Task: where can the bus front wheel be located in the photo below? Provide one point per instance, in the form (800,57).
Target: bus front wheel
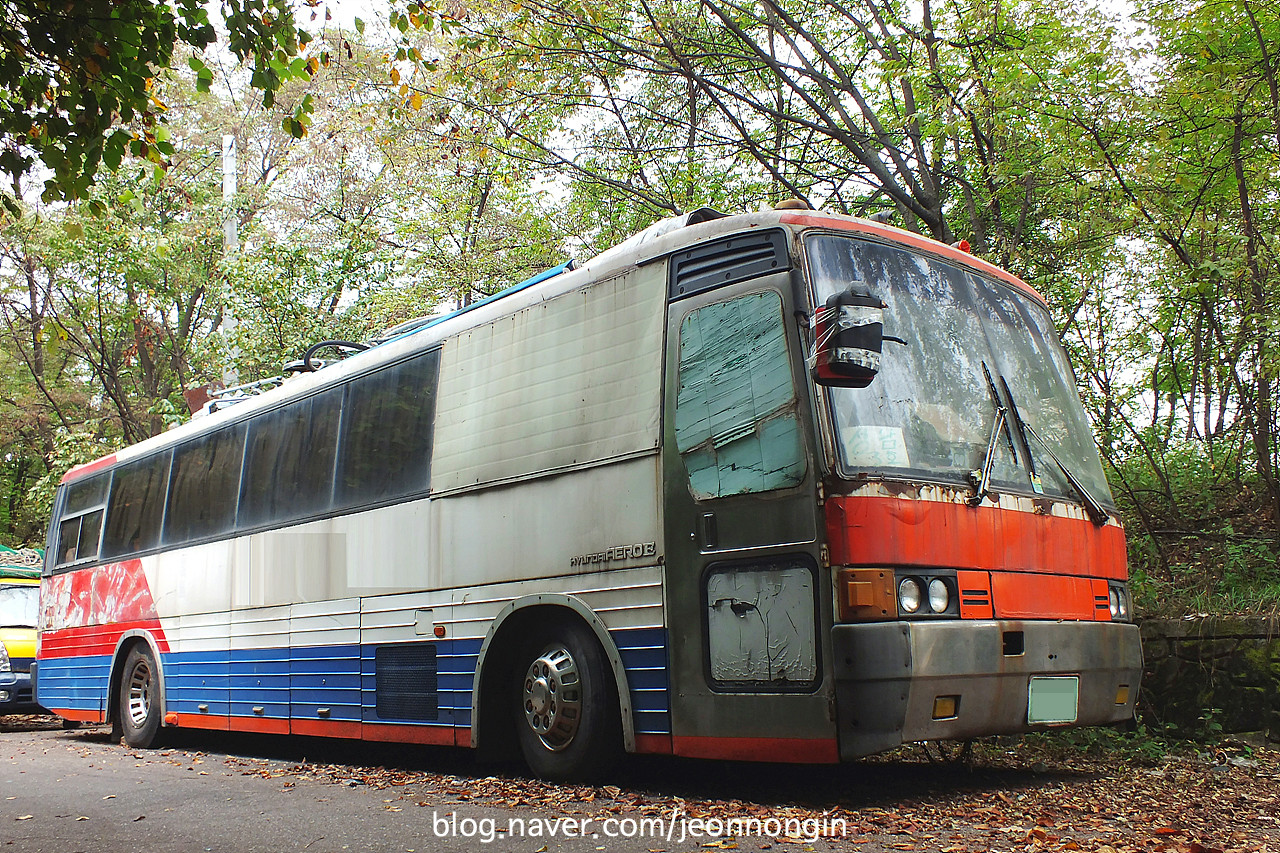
(139,701)
(567,713)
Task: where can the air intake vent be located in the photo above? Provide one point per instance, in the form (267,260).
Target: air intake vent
(726,261)
(406,682)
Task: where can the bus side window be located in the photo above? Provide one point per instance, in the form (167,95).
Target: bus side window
(288,472)
(387,427)
(136,505)
(81,522)
(204,486)
(736,421)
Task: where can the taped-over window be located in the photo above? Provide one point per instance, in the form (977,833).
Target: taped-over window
(736,424)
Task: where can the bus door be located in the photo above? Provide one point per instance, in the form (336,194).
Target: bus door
(745,596)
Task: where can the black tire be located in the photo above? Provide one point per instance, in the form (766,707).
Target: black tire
(566,705)
(138,709)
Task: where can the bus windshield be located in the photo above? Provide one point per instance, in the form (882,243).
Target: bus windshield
(19,605)
(970,345)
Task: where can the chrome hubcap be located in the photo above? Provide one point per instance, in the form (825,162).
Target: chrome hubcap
(139,694)
(552,698)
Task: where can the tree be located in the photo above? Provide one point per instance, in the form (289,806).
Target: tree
(77,79)
(1192,154)
(936,111)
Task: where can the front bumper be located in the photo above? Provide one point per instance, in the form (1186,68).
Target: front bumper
(889,674)
(16,695)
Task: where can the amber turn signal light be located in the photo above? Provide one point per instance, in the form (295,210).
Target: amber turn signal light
(865,595)
(946,707)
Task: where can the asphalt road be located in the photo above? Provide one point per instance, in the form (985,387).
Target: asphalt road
(78,791)
(68,791)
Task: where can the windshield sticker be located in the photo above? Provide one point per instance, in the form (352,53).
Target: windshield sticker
(875,445)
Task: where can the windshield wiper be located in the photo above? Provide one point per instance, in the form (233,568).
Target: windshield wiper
(982,479)
(1036,485)
(1097,513)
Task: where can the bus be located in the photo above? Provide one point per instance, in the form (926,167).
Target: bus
(784,486)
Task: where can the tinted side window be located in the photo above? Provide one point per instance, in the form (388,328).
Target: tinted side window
(386,432)
(205,486)
(289,462)
(136,506)
(81,523)
(86,494)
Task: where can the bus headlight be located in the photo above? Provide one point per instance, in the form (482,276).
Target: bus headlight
(909,594)
(1121,609)
(939,595)
(1120,603)
(4,659)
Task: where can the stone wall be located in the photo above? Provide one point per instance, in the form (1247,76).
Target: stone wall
(1204,672)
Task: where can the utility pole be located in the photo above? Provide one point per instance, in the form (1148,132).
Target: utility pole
(230,245)
(230,236)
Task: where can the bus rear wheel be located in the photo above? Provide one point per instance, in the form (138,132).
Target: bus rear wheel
(139,699)
(567,714)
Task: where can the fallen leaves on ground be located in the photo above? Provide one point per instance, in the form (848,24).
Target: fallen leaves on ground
(1009,799)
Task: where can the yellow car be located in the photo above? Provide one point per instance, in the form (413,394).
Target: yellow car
(19,608)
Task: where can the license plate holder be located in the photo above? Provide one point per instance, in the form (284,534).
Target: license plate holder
(1053,699)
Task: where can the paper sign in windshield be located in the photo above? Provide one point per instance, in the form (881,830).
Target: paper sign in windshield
(882,446)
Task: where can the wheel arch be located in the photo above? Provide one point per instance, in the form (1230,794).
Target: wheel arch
(128,640)
(520,612)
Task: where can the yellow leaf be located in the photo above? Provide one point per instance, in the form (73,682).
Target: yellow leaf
(404,89)
(395,75)
(416,101)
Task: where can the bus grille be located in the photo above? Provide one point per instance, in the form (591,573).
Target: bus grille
(722,262)
(406,682)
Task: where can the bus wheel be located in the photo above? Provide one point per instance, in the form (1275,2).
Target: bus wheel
(139,707)
(568,716)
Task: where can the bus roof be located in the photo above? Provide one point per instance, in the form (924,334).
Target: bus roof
(658,240)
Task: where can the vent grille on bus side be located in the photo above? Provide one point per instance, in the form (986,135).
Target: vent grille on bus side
(406,682)
(726,261)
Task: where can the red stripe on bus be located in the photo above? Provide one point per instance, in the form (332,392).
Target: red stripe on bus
(95,639)
(883,531)
(88,468)
(915,241)
(80,715)
(261,725)
(217,722)
(778,750)
(1028,596)
(327,728)
(653,744)
(428,735)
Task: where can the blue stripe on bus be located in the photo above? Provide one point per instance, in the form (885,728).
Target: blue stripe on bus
(299,682)
(78,683)
(644,657)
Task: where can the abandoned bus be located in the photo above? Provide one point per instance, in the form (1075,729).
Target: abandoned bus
(787,486)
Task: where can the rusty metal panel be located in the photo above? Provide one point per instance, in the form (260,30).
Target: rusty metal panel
(761,625)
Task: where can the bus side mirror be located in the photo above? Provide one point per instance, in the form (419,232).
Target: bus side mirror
(849,332)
